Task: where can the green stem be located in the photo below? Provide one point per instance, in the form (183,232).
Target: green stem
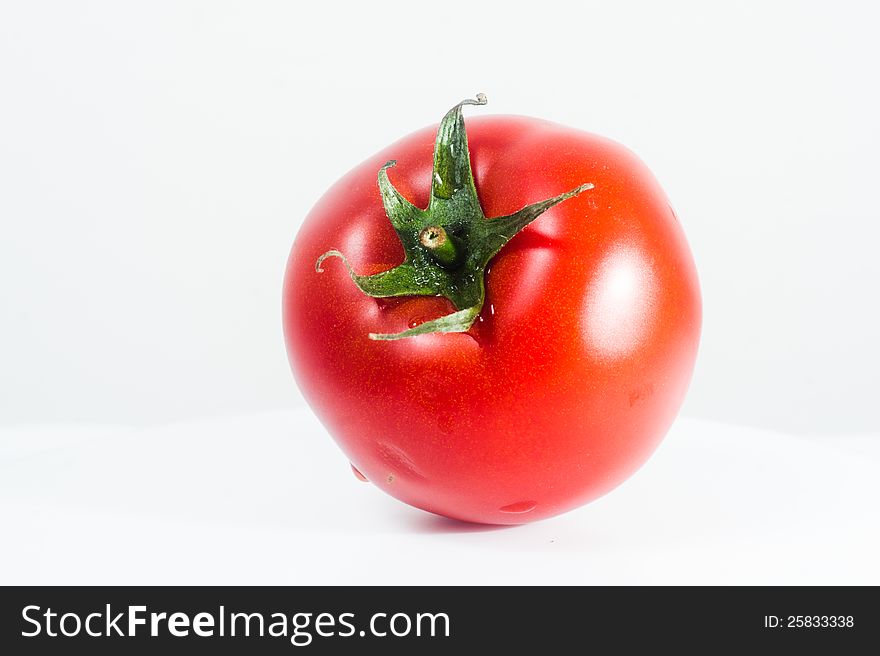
(440,245)
(438,263)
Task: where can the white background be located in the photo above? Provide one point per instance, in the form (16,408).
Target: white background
(156,160)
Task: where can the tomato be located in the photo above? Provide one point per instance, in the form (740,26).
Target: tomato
(557,357)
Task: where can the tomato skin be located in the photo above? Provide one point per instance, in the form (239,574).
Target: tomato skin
(576,367)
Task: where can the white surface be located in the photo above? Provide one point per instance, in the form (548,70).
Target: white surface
(156,159)
(268,499)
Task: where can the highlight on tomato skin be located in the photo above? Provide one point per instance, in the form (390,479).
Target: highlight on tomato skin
(496,320)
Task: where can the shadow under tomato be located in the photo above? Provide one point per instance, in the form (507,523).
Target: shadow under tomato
(424,522)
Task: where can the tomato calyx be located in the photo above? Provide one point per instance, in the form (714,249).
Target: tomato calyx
(448,245)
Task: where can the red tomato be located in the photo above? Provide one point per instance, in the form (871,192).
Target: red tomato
(575,367)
